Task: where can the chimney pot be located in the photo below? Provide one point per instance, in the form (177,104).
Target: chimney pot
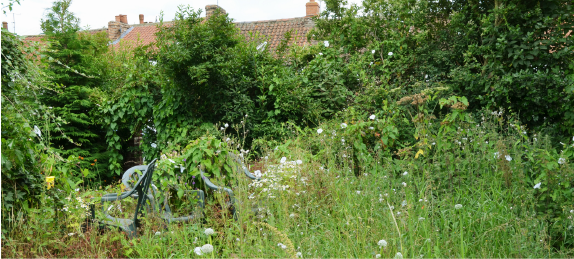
(5,25)
(141,18)
(123,18)
(117,18)
(312,8)
(210,10)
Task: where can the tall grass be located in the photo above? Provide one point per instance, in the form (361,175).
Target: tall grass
(472,199)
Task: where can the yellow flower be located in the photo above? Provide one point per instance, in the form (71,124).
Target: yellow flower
(50,181)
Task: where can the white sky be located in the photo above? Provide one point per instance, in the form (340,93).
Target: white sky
(97,14)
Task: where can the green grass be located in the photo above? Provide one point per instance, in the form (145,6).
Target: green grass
(333,213)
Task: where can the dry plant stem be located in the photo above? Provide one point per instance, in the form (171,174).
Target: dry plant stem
(283,237)
(396,225)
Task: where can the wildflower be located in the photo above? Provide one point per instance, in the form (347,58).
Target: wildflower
(404,184)
(404,203)
(405,173)
(81,158)
(197,251)
(283,159)
(226,125)
(508,158)
(77,190)
(171,160)
(496,155)
(292,215)
(37,131)
(537,186)
(371,128)
(372,117)
(157,233)
(358,192)
(343,140)
(222,128)
(207,248)
(421,218)
(399,255)
(390,53)
(71,234)
(320,54)
(299,162)
(153,145)
(320,131)
(257,173)
(458,206)
(561,160)
(209,231)
(343,125)
(245,115)
(299,254)
(378,256)
(420,200)
(382,243)
(95,160)
(282,246)
(326,43)
(398,213)
(571,211)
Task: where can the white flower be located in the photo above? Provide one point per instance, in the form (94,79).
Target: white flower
(508,158)
(390,53)
(373,51)
(537,186)
(371,128)
(227,139)
(257,173)
(153,145)
(571,211)
(299,162)
(405,173)
(226,125)
(399,255)
(496,155)
(157,233)
(77,189)
(245,115)
(561,160)
(372,117)
(358,192)
(319,131)
(421,218)
(404,184)
(326,43)
(299,254)
(209,231)
(283,159)
(222,128)
(282,246)
(343,140)
(320,54)
(207,248)
(382,243)
(458,206)
(197,251)
(37,131)
(71,234)
(343,125)
(171,160)
(378,256)
(292,215)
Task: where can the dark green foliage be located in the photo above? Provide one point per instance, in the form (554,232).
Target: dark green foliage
(72,67)
(21,178)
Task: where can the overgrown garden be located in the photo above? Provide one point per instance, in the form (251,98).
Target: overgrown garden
(409,129)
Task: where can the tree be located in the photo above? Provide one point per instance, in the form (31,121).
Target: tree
(73,68)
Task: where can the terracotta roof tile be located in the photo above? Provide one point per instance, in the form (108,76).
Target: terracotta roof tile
(271,30)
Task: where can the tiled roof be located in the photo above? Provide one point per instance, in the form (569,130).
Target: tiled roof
(274,30)
(271,31)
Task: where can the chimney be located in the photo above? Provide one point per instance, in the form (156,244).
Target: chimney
(123,18)
(210,10)
(117,18)
(141,18)
(312,8)
(5,25)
